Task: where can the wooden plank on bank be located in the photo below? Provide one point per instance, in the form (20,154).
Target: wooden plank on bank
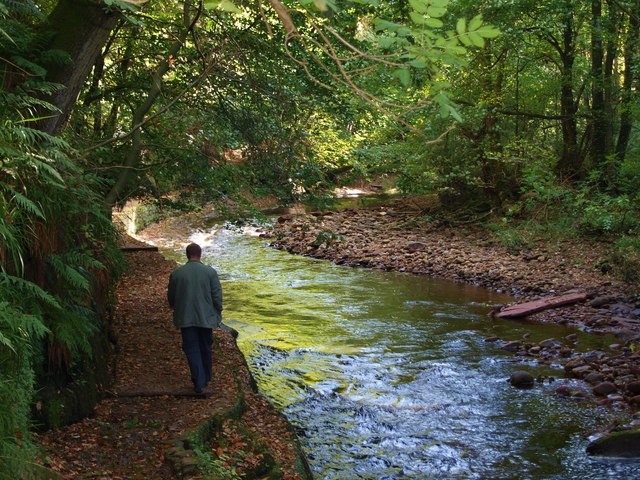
(156,393)
(139,249)
(528,308)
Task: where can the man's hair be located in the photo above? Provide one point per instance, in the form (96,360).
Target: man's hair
(194,250)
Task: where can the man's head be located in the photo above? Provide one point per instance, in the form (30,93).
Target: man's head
(194,252)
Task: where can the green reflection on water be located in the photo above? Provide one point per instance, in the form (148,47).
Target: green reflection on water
(332,345)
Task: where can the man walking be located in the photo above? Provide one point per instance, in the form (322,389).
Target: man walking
(195,295)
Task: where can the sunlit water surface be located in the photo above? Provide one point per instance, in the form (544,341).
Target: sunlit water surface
(389,376)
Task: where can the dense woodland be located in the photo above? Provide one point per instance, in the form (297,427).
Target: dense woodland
(519,114)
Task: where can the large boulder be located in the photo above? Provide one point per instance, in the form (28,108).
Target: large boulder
(624,444)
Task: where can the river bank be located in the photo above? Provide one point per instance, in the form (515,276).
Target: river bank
(151,424)
(393,238)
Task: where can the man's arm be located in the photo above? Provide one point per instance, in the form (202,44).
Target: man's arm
(171,291)
(216,292)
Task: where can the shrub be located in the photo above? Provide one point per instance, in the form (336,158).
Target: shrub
(625,259)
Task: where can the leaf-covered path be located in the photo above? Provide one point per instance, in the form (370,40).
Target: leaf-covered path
(150,406)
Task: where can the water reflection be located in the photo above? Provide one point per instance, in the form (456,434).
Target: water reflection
(388,376)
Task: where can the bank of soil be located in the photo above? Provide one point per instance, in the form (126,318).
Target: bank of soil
(151,422)
(396,238)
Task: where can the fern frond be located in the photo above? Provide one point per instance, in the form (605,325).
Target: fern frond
(6,342)
(32,85)
(28,65)
(23,8)
(39,164)
(6,35)
(33,137)
(23,201)
(33,326)
(25,101)
(27,137)
(9,238)
(72,329)
(8,150)
(15,325)
(18,36)
(58,58)
(68,274)
(29,289)
(82,259)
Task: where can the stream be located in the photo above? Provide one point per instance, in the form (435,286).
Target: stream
(388,375)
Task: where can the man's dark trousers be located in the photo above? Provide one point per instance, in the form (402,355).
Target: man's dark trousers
(196,344)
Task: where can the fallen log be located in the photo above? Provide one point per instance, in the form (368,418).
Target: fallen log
(528,308)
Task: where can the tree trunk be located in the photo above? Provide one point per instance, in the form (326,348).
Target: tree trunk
(598,134)
(632,43)
(610,92)
(132,159)
(81,28)
(93,94)
(570,164)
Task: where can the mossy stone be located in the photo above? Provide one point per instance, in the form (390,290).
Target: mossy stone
(625,444)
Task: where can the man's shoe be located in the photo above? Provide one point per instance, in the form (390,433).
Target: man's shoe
(198,391)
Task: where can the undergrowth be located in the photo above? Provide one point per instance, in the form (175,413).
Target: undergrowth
(552,213)
(57,247)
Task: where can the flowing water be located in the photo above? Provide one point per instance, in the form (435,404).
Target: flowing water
(389,376)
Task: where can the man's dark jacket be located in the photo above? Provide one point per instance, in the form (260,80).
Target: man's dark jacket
(195,295)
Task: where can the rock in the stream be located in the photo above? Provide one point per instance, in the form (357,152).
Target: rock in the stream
(549,343)
(521,379)
(513,346)
(566,391)
(594,378)
(617,445)
(604,388)
(633,388)
(602,301)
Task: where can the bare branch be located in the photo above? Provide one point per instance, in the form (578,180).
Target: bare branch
(284,16)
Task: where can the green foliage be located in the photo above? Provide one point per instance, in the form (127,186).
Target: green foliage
(603,214)
(512,239)
(551,211)
(21,327)
(327,237)
(625,259)
(215,468)
(54,236)
(628,178)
